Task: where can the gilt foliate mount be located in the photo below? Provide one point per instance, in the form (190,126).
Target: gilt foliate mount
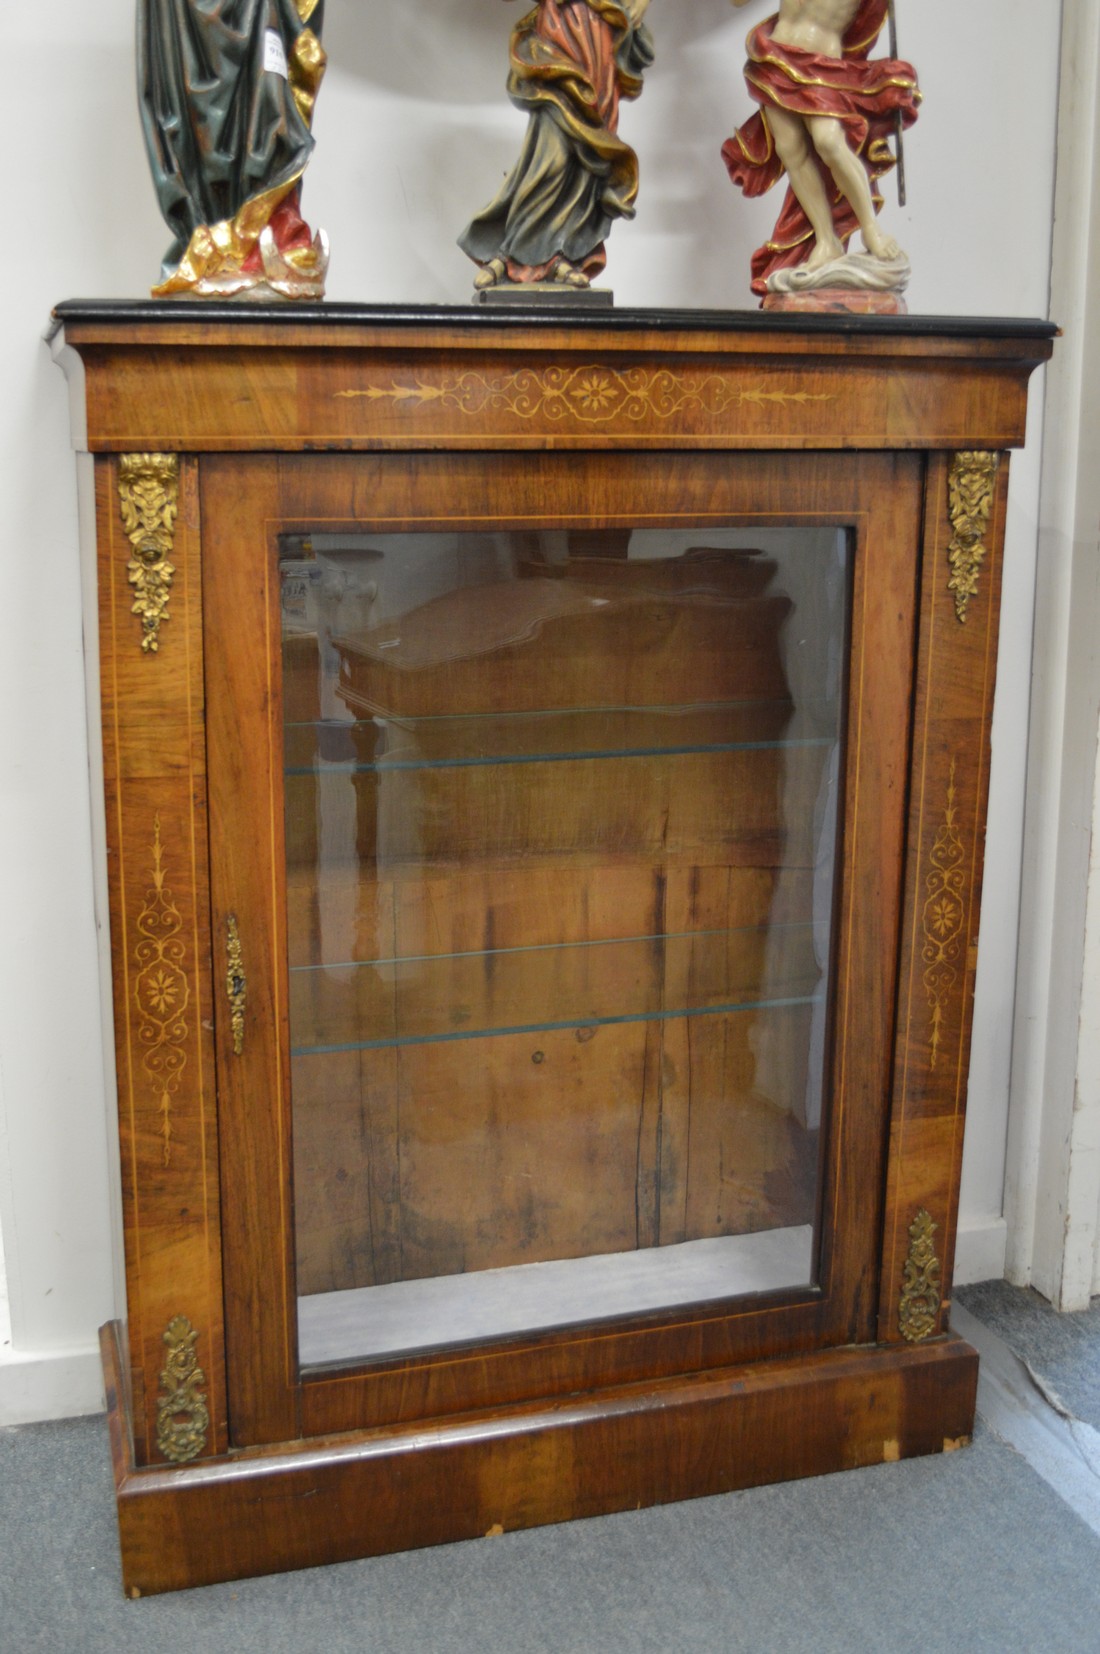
(148,487)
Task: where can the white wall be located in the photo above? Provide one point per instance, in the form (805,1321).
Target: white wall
(1052,1193)
(414,134)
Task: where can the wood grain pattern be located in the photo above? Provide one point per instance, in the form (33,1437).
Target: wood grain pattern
(646,1444)
(155,772)
(738,1067)
(248,861)
(342,387)
(956,670)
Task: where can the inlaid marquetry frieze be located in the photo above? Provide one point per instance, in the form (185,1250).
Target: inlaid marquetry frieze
(148,487)
(919,1308)
(944,916)
(970,500)
(162,991)
(183,1418)
(586,395)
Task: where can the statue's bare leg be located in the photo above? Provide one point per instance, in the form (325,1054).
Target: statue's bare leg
(793,148)
(851,178)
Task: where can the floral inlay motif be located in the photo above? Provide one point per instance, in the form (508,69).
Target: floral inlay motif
(162,992)
(593,395)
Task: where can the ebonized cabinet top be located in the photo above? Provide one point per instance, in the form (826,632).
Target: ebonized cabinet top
(471,318)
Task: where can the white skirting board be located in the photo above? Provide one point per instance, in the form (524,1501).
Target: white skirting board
(57,1384)
(980,1250)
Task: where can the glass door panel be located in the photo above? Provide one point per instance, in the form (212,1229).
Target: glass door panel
(562,826)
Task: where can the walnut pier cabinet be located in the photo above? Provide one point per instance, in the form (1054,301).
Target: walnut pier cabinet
(545,763)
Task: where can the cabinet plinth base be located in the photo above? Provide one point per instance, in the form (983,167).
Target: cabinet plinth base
(307,1503)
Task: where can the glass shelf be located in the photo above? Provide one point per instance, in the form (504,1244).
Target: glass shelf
(382,744)
(371,1004)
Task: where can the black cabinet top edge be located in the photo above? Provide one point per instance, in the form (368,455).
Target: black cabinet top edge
(538,316)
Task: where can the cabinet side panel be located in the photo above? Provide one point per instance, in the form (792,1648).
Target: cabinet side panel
(949,787)
(155,787)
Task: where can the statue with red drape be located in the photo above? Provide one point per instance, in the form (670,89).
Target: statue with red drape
(824,104)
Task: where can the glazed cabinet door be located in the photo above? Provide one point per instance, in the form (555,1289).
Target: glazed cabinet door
(557,812)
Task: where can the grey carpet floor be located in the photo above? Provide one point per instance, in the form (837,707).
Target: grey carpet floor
(971,1552)
(1063,1349)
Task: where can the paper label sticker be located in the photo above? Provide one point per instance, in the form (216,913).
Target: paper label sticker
(274,55)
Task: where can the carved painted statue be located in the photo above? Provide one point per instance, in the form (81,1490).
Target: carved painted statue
(572,63)
(227,89)
(826,114)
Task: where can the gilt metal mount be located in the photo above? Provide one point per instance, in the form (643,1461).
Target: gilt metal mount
(148,487)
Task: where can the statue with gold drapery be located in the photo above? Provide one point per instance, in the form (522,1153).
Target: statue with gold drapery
(227,89)
(572,61)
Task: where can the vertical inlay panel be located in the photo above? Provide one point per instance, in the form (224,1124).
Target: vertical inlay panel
(155,783)
(949,785)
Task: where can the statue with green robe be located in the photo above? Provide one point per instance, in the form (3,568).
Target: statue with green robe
(572,61)
(227,89)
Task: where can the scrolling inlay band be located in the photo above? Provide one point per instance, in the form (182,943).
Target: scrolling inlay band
(148,487)
(944,916)
(591,395)
(162,991)
(183,1418)
(970,492)
(920,1290)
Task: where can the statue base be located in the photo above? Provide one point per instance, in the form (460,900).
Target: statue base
(856,282)
(255,292)
(837,300)
(546,293)
(292,276)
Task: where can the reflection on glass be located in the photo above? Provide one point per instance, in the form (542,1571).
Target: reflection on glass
(561,816)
